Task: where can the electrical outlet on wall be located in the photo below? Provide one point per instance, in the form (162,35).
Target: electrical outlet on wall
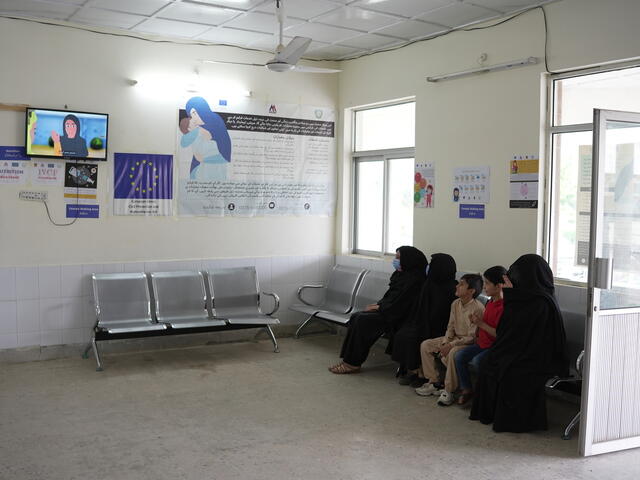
(32,196)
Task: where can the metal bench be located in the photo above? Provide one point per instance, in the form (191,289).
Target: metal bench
(339,295)
(182,305)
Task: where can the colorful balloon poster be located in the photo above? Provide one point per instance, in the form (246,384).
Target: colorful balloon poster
(424,185)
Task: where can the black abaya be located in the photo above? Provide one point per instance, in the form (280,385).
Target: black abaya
(365,328)
(529,349)
(430,315)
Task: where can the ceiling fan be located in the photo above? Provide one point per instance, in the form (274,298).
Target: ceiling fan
(286,58)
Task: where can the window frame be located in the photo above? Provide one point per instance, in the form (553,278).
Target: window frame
(550,173)
(386,156)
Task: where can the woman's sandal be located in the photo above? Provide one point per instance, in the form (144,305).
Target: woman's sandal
(342,369)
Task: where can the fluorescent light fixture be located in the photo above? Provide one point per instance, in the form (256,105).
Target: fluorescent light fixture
(192,86)
(486,69)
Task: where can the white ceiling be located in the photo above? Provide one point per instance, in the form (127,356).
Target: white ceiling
(340,29)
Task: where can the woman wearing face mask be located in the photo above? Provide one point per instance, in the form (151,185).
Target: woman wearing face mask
(529,349)
(388,314)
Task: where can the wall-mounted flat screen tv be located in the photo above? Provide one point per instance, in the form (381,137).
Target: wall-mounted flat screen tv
(66,134)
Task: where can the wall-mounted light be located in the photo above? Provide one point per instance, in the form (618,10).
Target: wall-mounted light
(485,69)
(191,85)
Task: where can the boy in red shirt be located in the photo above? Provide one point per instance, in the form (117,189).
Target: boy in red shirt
(486,332)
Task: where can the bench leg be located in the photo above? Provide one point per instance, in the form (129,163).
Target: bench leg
(85,354)
(567,431)
(94,345)
(273,339)
(302,325)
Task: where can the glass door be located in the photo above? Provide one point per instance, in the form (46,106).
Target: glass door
(611,376)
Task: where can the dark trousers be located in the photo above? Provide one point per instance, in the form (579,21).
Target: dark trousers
(364,329)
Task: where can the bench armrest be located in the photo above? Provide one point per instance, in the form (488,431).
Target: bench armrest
(276,302)
(299,293)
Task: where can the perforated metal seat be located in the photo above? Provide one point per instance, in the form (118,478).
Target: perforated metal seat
(181,300)
(236,299)
(339,294)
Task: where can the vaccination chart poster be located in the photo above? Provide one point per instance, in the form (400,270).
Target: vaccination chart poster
(143,184)
(13,165)
(248,158)
(471,185)
(424,185)
(81,190)
(523,181)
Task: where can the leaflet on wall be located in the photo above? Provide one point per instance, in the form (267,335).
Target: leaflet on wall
(250,158)
(524,171)
(142,184)
(424,185)
(81,190)
(471,184)
(13,166)
(47,173)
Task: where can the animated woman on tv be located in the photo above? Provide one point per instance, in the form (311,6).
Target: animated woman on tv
(71,143)
(209,140)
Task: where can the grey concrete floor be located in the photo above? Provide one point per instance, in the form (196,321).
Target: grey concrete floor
(239,411)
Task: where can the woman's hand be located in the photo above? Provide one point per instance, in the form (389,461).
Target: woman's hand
(55,136)
(475,318)
(507,282)
(445,349)
(374,307)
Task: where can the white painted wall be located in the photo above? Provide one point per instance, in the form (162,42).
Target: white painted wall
(50,66)
(483,120)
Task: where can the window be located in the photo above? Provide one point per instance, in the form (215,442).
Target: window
(570,141)
(383,158)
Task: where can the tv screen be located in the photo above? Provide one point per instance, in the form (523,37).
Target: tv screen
(66,134)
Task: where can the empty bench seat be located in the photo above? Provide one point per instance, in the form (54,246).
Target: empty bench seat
(181,300)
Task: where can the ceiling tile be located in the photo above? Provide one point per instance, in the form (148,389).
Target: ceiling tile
(96,16)
(237,4)
(301,8)
(259,22)
(505,5)
(233,36)
(171,28)
(37,9)
(187,12)
(457,14)
(330,52)
(140,7)
(409,29)
(368,41)
(321,33)
(404,8)
(356,18)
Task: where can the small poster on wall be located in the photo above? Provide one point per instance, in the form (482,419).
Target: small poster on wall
(142,184)
(471,185)
(47,173)
(424,185)
(80,190)
(523,181)
(13,169)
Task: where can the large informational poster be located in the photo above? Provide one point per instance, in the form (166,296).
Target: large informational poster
(142,184)
(424,185)
(253,158)
(13,165)
(523,181)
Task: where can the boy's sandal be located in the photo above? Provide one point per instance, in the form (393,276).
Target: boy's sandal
(342,369)
(464,398)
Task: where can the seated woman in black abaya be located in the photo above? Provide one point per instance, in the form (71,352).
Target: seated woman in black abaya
(428,318)
(529,349)
(388,314)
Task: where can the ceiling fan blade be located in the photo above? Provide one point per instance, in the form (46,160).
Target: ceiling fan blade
(294,50)
(305,69)
(234,63)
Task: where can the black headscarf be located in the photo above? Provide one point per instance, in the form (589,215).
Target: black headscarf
(404,285)
(76,146)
